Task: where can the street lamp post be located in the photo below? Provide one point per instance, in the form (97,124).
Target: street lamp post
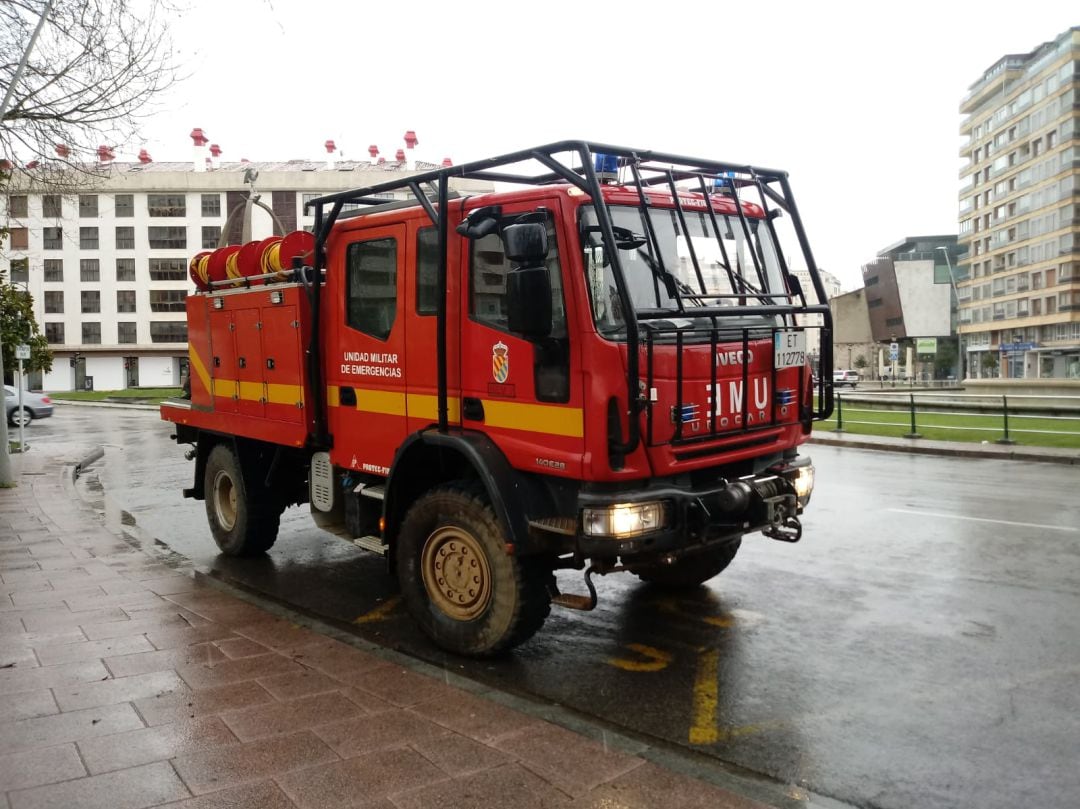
(959,335)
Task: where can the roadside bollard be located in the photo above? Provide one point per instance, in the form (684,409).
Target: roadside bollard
(1005,414)
(913,433)
(839,414)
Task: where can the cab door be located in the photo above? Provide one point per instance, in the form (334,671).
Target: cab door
(365,347)
(524,393)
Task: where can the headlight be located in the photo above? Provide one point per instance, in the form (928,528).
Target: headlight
(804,483)
(625,519)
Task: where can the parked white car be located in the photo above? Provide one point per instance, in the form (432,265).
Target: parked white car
(841,378)
(34,406)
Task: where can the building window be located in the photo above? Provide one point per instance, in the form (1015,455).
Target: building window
(51,206)
(371,281)
(91,333)
(167,300)
(210,236)
(166,238)
(17,205)
(91,301)
(89,269)
(54,333)
(88,205)
(20,270)
(54,303)
(20,238)
(166,205)
(894,321)
(125,332)
(54,269)
(124,205)
(168,331)
(168,269)
(125,238)
(283,204)
(125,269)
(125,300)
(88,238)
(211,204)
(52,238)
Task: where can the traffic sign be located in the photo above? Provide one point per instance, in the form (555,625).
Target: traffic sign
(894,352)
(22,352)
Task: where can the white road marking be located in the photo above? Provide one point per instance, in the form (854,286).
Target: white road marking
(984,519)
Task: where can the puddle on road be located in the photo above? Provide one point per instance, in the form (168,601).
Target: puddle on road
(92,491)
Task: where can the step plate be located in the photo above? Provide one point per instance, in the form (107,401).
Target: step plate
(370,543)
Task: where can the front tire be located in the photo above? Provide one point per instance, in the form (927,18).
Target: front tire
(242,524)
(692,571)
(469,595)
(20,417)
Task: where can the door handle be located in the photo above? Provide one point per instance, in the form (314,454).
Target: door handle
(472,408)
(347,396)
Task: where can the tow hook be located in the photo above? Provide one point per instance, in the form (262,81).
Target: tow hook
(577,602)
(788,529)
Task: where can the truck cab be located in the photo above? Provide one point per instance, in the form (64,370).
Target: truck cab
(603,369)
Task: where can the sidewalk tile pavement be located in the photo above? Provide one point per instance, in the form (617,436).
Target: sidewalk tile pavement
(127,683)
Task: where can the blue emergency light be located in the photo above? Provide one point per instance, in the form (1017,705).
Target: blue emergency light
(607,167)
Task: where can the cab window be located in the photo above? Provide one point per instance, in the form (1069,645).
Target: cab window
(488,267)
(371,286)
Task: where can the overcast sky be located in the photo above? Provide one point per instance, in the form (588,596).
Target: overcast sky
(858,102)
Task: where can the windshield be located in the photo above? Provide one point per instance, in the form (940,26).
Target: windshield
(725,266)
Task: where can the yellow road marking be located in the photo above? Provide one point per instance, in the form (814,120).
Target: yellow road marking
(656,659)
(703,730)
(380,613)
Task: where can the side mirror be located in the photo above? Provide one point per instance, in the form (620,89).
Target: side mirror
(528,285)
(528,301)
(526,243)
(480,222)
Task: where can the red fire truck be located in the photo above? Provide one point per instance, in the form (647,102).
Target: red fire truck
(602,365)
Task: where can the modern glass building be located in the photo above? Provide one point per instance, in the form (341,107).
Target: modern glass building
(1019,283)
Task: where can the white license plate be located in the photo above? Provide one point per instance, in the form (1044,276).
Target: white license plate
(789,349)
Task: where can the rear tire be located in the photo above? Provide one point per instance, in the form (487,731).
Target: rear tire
(469,595)
(243,524)
(690,571)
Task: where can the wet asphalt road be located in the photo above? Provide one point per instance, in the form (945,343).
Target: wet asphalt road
(919,647)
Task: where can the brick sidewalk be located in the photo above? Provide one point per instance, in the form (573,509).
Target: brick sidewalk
(126,683)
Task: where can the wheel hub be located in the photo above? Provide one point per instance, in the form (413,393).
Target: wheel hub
(456,574)
(225,500)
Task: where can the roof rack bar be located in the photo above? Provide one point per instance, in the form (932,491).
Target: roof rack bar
(425,202)
(654,241)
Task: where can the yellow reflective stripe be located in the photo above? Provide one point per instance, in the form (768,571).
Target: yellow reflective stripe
(195,363)
(251,391)
(534,418)
(277,393)
(424,406)
(568,421)
(224,387)
(387,402)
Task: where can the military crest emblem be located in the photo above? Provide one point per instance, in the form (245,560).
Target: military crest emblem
(500,362)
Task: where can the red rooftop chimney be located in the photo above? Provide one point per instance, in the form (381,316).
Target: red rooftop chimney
(105,154)
(62,151)
(373,150)
(144,156)
(410,139)
(400,155)
(198,137)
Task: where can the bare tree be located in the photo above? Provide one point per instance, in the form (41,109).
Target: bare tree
(90,79)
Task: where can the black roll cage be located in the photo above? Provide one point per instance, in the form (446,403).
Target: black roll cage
(647,169)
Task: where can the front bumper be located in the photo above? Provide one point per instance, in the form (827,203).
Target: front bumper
(698,517)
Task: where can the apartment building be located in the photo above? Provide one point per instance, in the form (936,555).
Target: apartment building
(1019,284)
(108,267)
